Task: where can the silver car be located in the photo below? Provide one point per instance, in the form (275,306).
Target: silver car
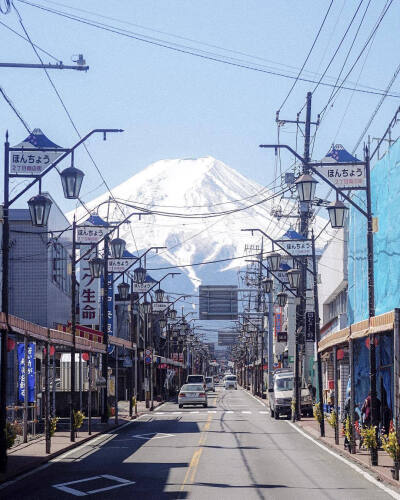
(192,394)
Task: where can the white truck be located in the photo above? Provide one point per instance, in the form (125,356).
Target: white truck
(280,397)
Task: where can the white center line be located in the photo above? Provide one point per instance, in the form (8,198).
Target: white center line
(263,412)
(247,412)
(212,411)
(229,411)
(194,412)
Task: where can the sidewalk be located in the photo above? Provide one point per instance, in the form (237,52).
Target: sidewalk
(311,427)
(27,456)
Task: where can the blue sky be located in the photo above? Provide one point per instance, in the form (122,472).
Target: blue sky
(175,105)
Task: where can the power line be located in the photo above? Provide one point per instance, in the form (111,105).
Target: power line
(68,114)
(192,51)
(308,56)
(17,113)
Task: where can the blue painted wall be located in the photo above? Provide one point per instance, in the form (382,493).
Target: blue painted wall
(385,182)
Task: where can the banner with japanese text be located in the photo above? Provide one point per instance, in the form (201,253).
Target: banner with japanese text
(30,368)
(89,291)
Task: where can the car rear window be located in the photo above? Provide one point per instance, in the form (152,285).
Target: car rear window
(192,387)
(232,377)
(195,378)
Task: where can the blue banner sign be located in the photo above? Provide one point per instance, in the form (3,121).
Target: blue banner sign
(30,371)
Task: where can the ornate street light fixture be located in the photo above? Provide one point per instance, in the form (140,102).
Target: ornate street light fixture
(123,290)
(267,284)
(162,323)
(337,211)
(294,276)
(274,261)
(159,293)
(146,307)
(117,247)
(306,185)
(172,314)
(71,179)
(139,275)
(95,266)
(281,299)
(39,208)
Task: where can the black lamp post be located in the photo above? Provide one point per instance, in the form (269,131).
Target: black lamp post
(172,314)
(337,212)
(294,276)
(39,208)
(274,261)
(306,185)
(139,275)
(159,293)
(117,247)
(267,284)
(123,291)
(281,299)
(95,266)
(71,179)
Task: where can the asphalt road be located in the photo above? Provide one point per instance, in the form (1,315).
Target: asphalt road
(230,450)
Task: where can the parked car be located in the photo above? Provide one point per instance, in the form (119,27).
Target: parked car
(210,384)
(192,394)
(280,398)
(196,379)
(230,382)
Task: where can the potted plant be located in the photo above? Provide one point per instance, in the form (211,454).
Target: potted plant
(332,419)
(53,425)
(391,445)
(317,412)
(78,419)
(368,435)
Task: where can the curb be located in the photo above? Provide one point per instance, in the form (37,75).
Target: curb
(51,456)
(376,474)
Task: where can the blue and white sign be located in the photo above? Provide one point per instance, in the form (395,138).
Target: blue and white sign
(30,371)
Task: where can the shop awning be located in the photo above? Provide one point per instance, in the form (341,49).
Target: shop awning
(334,338)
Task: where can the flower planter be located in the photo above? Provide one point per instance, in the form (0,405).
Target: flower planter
(395,471)
(373,457)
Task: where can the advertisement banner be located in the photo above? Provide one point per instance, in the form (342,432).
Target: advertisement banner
(89,292)
(30,371)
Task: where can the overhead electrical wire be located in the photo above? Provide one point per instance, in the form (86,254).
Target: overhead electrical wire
(308,56)
(191,51)
(16,112)
(66,110)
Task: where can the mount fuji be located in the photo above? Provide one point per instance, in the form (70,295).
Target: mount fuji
(196,208)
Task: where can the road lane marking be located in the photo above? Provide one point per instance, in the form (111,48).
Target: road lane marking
(229,411)
(194,462)
(152,435)
(263,412)
(211,411)
(247,412)
(78,493)
(355,467)
(194,412)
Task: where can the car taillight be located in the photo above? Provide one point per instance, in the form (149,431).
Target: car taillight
(202,394)
(182,395)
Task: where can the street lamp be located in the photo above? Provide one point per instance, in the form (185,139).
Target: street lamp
(294,276)
(162,323)
(267,284)
(71,179)
(95,266)
(337,212)
(39,208)
(281,299)
(306,185)
(139,275)
(123,290)
(146,307)
(172,314)
(274,261)
(117,247)
(159,293)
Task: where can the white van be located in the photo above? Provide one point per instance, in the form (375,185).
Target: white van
(230,382)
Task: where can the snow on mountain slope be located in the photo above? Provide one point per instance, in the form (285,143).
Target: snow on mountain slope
(186,194)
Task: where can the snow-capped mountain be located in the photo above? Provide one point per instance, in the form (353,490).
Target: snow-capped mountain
(185,197)
(197,209)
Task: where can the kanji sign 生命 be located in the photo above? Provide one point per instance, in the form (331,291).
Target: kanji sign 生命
(88,293)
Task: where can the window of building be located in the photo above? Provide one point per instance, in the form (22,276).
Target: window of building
(60,259)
